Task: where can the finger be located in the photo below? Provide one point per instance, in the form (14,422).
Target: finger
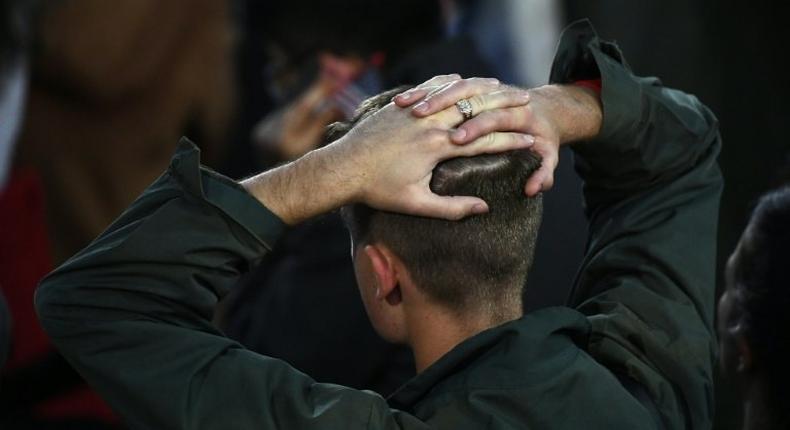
(498,100)
(447,118)
(440,80)
(453,92)
(449,207)
(493,143)
(425,91)
(543,178)
(499,121)
(409,97)
(508,119)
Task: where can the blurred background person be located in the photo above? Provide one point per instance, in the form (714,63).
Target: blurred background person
(112,86)
(14,38)
(38,390)
(754,325)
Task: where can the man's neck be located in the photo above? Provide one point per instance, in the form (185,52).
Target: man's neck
(434,331)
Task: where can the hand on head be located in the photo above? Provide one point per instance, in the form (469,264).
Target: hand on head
(400,152)
(493,112)
(386,161)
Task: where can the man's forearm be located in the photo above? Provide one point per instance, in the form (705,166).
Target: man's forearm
(575,111)
(302,189)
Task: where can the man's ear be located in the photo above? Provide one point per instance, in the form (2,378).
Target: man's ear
(383,263)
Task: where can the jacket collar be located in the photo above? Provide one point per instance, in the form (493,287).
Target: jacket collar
(524,338)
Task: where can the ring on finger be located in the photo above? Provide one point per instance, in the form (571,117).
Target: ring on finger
(465,107)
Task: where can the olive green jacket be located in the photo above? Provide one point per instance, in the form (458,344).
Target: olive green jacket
(634,349)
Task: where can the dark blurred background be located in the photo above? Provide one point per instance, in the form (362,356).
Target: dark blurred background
(94,95)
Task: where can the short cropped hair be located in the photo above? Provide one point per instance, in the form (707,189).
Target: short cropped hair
(479,263)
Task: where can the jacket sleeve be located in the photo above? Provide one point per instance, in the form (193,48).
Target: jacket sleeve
(651,189)
(132,312)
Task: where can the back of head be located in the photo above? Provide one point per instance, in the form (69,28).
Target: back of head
(762,285)
(478,264)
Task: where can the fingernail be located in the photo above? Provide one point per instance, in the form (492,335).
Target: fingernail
(404,96)
(479,209)
(459,134)
(421,107)
(525,96)
(529,139)
(493,81)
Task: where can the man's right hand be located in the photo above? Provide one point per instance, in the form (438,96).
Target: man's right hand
(556,115)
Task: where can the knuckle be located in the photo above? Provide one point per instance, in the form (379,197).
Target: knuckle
(500,119)
(514,95)
(433,123)
(478,103)
(463,84)
(484,123)
(527,113)
(436,137)
(511,119)
(490,139)
(479,84)
(455,213)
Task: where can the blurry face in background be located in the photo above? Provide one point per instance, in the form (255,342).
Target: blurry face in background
(13,89)
(326,89)
(735,354)
(726,325)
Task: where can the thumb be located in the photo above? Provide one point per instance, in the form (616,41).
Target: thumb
(451,208)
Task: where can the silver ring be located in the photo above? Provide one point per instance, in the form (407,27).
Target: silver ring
(465,108)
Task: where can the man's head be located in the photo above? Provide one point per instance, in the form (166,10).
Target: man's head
(754,322)
(476,266)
